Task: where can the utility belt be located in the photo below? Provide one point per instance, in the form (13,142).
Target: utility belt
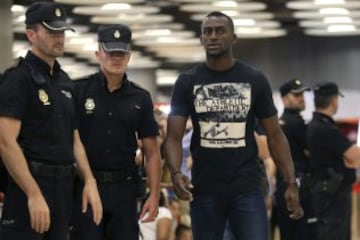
(48,170)
(112,176)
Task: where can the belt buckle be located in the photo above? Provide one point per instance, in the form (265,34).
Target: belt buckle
(108,177)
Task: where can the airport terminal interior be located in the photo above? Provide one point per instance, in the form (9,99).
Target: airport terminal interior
(310,40)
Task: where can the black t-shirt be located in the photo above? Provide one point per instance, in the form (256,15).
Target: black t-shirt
(110,122)
(327,146)
(223,107)
(44,104)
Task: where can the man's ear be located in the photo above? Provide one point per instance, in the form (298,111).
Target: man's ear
(30,34)
(234,38)
(201,39)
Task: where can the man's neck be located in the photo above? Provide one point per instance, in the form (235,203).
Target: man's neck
(49,60)
(220,64)
(113,81)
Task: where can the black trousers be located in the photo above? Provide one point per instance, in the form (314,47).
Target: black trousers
(120,218)
(15,222)
(334,214)
(290,229)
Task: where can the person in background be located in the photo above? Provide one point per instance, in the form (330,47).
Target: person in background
(161,228)
(333,159)
(39,139)
(294,128)
(225,184)
(114,113)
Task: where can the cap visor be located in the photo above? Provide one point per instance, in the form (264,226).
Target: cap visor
(115,47)
(302,89)
(57,26)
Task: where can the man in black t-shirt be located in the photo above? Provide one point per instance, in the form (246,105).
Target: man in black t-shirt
(225,175)
(333,159)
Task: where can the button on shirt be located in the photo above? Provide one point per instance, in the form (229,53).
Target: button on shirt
(110,121)
(44,104)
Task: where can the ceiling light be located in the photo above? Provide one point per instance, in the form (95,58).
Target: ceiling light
(242,6)
(248,30)
(323,32)
(333,11)
(316,14)
(17,8)
(338,20)
(96,2)
(116,6)
(329,2)
(237,15)
(341,28)
(244,22)
(225,4)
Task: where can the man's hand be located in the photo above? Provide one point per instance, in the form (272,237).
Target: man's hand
(91,196)
(182,186)
(150,209)
(39,213)
(292,201)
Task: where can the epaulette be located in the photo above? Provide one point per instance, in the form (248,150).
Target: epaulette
(135,85)
(14,65)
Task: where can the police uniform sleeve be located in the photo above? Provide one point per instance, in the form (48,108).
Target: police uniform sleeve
(13,94)
(179,97)
(264,105)
(148,126)
(336,141)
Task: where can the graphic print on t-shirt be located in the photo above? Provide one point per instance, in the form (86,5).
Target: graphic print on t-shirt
(222,109)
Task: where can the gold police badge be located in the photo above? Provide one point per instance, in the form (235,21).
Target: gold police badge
(44,98)
(117,34)
(297,82)
(57,12)
(89,105)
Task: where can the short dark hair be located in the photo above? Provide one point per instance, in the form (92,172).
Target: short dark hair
(220,14)
(322,101)
(33,26)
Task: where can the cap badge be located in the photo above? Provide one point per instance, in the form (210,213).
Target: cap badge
(89,105)
(57,12)
(297,82)
(44,98)
(117,34)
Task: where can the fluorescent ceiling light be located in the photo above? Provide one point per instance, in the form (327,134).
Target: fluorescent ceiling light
(329,2)
(244,22)
(238,15)
(225,4)
(316,14)
(96,2)
(242,6)
(17,8)
(323,32)
(337,20)
(341,28)
(248,30)
(333,11)
(116,6)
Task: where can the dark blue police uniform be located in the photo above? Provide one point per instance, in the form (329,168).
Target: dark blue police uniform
(44,104)
(42,99)
(331,187)
(110,123)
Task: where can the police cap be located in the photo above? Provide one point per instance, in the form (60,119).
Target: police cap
(114,38)
(327,89)
(293,86)
(51,15)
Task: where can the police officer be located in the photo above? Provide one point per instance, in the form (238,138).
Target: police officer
(114,112)
(39,140)
(332,158)
(294,128)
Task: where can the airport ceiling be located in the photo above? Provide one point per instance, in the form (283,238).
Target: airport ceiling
(166,32)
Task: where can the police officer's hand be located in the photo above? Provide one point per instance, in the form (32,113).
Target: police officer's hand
(91,196)
(292,201)
(182,186)
(150,209)
(39,212)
